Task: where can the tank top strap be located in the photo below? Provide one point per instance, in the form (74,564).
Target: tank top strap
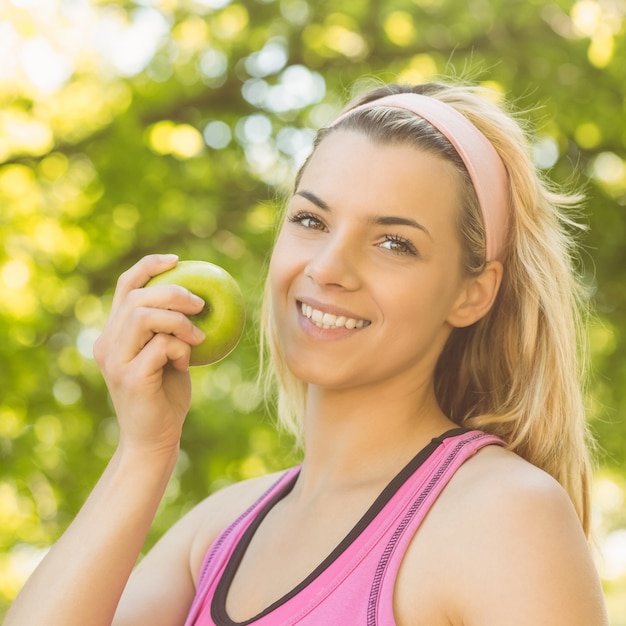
(438,470)
(222,548)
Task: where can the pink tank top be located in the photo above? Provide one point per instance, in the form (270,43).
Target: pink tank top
(355,583)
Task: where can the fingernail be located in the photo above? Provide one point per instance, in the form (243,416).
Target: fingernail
(197,299)
(198,334)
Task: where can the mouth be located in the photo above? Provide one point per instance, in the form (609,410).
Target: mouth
(328,321)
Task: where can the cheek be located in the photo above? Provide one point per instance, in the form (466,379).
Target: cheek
(278,263)
(283,268)
(289,256)
(425,305)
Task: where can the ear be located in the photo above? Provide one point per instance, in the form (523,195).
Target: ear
(477,296)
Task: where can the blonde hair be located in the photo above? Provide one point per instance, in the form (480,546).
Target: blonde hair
(518,372)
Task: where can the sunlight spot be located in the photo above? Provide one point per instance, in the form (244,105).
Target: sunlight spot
(27,4)
(213,63)
(46,68)
(217,134)
(86,340)
(608,167)
(255,128)
(345,41)
(181,140)
(586,16)
(246,397)
(192,34)
(269,60)
(53,166)
(129,47)
(601,50)
(297,88)
(9,45)
(12,506)
(400,29)
(261,156)
(230,22)
(159,136)
(11,423)
(545,152)
(261,218)
(252,467)
(212,4)
(25,134)
(15,274)
(601,338)
(296,142)
(48,429)
(608,494)
(229,244)
(88,310)
(70,361)
(125,216)
(66,391)
(295,11)
(614,555)
(587,135)
(48,235)
(185,141)
(495,91)
(421,68)
(255,91)
(21,305)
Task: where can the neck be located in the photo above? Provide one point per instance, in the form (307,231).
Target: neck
(365,436)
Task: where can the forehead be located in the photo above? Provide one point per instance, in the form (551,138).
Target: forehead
(349,165)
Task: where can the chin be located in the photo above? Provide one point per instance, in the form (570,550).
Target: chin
(317,374)
(336,382)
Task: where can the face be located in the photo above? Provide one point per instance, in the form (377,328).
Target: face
(366,275)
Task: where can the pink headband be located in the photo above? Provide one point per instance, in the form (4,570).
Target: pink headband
(483,163)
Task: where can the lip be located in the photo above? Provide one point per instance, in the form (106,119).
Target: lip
(331,333)
(330,308)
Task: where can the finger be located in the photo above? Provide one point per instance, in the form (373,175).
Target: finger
(161,350)
(140,273)
(145,323)
(137,306)
(144,313)
(172,297)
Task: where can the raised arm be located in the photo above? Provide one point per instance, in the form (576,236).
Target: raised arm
(143,353)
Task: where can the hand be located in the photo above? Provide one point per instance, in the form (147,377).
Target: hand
(143,354)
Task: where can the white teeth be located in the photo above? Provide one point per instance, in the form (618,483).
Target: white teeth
(328,320)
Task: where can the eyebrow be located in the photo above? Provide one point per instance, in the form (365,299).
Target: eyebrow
(311,197)
(383,220)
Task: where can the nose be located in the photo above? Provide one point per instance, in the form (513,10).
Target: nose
(335,263)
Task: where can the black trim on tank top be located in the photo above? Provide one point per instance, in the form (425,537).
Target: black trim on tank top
(218,603)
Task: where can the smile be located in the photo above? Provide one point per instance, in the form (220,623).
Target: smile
(328,320)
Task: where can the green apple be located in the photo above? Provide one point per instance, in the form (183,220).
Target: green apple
(223,317)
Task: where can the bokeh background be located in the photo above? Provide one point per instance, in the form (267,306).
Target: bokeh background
(131,127)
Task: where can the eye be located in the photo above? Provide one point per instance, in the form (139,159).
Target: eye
(307,220)
(399,245)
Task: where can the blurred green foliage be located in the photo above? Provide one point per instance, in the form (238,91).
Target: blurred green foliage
(176,125)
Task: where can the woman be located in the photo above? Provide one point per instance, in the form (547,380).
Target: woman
(421,315)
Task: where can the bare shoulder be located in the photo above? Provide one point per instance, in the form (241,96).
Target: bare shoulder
(211,516)
(501,480)
(513,547)
(161,588)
